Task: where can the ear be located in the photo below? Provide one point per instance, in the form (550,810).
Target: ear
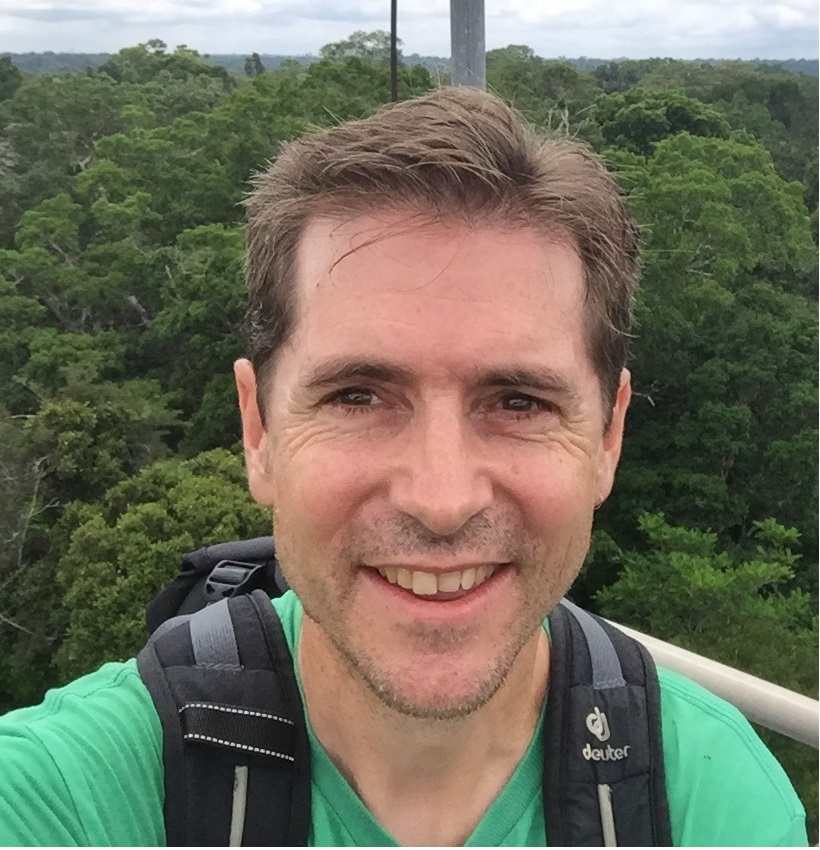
(258,460)
(613,439)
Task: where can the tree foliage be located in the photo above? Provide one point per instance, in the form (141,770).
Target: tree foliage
(684,588)
(125,547)
(10,78)
(725,355)
(253,65)
(637,120)
(741,610)
(371,46)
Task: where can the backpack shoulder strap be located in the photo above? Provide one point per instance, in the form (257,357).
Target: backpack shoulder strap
(603,756)
(216,572)
(235,747)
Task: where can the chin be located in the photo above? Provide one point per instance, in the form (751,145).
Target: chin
(434,686)
(433,703)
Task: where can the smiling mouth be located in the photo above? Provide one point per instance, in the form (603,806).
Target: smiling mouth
(421,583)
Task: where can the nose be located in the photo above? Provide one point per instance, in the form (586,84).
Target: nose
(441,478)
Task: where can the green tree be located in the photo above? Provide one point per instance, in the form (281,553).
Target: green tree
(122,550)
(151,61)
(371,46)
(622,74)
(637,120)
(682,587)
(551,94)
(10,78)
(779,108)
(253,65)
(49,128)
(724,365)
(20,317)
(203,302)
(21,476)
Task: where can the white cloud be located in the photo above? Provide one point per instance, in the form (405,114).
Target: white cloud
(600,28)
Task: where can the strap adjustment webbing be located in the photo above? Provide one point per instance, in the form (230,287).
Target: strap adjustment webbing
(239,728)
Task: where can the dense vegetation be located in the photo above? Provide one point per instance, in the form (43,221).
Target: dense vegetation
(50,63)
(121,296)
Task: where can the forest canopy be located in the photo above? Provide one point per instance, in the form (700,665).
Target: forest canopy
(122,297)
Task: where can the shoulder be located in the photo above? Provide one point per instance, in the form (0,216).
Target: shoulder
(289,609)
(724,786)
(98,738)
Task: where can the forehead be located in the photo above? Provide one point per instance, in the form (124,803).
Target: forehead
(436,290)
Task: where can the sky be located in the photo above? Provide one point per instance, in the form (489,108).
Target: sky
(682,29)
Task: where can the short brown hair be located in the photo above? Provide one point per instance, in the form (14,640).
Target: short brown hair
(456,152)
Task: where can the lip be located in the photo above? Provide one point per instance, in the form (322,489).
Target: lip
(438,569)
(404,605)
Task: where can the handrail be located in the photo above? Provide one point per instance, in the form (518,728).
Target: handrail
(760,701)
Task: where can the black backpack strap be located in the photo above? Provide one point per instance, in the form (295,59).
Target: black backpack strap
(235,747)
(603,756)
(216,572)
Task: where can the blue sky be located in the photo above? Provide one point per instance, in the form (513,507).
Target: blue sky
(684,29)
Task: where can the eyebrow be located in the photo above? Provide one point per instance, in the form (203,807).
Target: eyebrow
(335,371)
(331,373)
(539,379)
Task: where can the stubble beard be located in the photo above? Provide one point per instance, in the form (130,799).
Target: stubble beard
(381,685)
(545,579)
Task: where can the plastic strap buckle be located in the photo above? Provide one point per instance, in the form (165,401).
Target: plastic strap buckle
(232,578)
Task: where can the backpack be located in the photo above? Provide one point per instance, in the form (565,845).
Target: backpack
(235,745)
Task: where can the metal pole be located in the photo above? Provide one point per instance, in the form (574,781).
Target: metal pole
(394,70)
(469,63)
(762,702)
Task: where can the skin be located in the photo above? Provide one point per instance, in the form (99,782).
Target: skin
(435,409)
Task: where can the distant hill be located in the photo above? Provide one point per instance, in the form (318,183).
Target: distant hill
(50,63)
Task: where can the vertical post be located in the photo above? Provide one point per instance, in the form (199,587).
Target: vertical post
(469,62)
(394,61)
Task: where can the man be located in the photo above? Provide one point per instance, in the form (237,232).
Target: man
(433,409)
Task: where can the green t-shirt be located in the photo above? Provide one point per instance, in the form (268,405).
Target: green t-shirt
(85,768)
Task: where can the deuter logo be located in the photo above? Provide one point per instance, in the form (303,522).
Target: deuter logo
(609,754)
(598,724)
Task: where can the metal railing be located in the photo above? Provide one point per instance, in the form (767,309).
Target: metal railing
(760,701)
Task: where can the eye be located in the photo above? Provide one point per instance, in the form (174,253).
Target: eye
(354,397)
(525,404)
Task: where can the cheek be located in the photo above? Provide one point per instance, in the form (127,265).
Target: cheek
(554,495)
(319,492)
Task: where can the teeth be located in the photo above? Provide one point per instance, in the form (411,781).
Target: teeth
(405,579)
(428,584)
(424,584)
(449,582)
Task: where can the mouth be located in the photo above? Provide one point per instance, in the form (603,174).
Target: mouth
(439,586)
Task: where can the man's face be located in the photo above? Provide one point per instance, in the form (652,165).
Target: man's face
(434,448)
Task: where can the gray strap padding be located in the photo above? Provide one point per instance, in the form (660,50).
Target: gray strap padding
(213,638)
(606,668)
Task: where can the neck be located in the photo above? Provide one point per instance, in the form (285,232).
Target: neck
(428,782)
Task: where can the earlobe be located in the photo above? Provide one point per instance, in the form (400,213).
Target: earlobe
(254,436)
(613,439)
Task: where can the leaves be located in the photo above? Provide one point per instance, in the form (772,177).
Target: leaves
(737,610)
(126,547)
